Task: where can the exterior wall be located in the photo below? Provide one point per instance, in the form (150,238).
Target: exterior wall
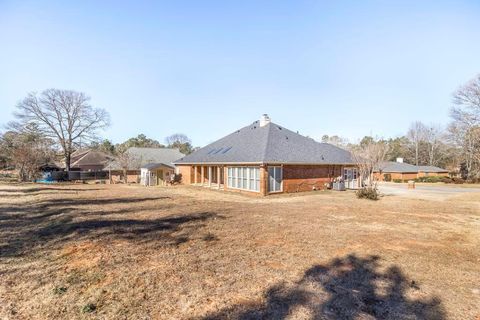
(409,176)
(187,174)
(398,175)
(133,176)
(298,178)
(433,174)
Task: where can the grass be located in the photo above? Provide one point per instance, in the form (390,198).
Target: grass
(127,252)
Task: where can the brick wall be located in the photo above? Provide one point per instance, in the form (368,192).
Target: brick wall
(433,174)
(187,174)
(133,176)
(300,178)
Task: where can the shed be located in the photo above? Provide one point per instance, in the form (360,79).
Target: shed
(156,174)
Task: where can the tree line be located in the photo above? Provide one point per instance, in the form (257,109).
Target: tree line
(52,125)
(455,146)
(58,122)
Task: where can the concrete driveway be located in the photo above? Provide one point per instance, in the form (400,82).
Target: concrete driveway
(429,191)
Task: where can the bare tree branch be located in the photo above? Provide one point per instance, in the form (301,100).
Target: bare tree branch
(63,115)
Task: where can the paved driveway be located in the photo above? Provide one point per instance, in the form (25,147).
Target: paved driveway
(425,191)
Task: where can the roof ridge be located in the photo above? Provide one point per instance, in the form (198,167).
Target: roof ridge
(78,160)
(269,130)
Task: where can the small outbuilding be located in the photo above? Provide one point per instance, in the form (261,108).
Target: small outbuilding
(156,174)
(137,158)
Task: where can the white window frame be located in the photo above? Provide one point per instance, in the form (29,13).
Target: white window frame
(268,181)
(244,178)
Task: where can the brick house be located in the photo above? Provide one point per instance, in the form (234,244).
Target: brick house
(89,160)
(399,170)
(265,158)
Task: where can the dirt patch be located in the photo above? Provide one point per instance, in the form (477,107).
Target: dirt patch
(127,252)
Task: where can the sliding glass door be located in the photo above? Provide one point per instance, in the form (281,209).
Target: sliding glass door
(275,179)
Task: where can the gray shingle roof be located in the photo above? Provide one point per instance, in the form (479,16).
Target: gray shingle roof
(392,166)
(431,169)
(268,144)
(144,156)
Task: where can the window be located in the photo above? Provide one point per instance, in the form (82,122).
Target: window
(245,178)
(230,176)
(275,178)
(235,178)
(350,174)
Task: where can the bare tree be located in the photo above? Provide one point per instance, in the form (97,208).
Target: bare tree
(177,138)
(63,115)
(368,157)
(465,126)
(335,140)
(180,141)
(433,137)
(27,150)
(416,134)
(128,161)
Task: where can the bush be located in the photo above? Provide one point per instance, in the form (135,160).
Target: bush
(367,193)
(458,180)
(429,179)
(397,180)
(59,290)
(474,180)
(447,180)
(88,308)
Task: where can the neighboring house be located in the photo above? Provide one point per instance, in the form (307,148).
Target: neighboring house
(89,160)
(426,171)
(157,162)
(398,170)
(265,158)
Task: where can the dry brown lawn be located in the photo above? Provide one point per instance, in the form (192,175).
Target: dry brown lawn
(128,252)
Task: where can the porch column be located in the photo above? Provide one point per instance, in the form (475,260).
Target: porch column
(202,175)
(263,179)
(209,176)
(218,177)
(195,174)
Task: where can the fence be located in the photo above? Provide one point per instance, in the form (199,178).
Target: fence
(79,175)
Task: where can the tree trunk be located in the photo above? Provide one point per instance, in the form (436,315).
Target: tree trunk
(416,153)
(67,161)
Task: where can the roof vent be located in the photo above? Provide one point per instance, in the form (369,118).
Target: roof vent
(400,160)
(264,120)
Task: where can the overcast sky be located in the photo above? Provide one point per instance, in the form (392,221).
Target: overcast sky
(207,68)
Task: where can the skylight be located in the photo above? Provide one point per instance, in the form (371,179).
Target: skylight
(226,150)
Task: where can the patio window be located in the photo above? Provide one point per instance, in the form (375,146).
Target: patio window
(244,178)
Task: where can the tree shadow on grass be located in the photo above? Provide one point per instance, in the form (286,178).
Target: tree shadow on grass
(347,288)
(45,189)
(53,222)
(171,230)
(47,207)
